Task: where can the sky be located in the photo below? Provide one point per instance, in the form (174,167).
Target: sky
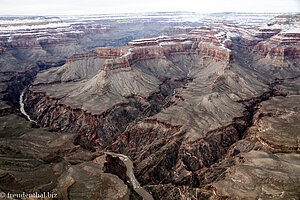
(71,7)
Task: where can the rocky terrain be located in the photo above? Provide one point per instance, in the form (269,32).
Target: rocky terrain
(204,109)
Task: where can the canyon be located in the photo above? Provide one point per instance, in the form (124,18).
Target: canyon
(151,106)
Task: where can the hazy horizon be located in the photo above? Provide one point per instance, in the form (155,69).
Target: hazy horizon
(68,7)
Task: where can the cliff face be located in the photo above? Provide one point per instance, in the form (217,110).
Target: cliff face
(35,31)
(98,129)
(285,44)
(215,53)
(281,47)
(111,52)
(154,48)
(161,47)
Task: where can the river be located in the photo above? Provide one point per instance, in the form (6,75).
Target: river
(129,172)
(21,101)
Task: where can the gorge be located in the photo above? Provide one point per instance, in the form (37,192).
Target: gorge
(204,109)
